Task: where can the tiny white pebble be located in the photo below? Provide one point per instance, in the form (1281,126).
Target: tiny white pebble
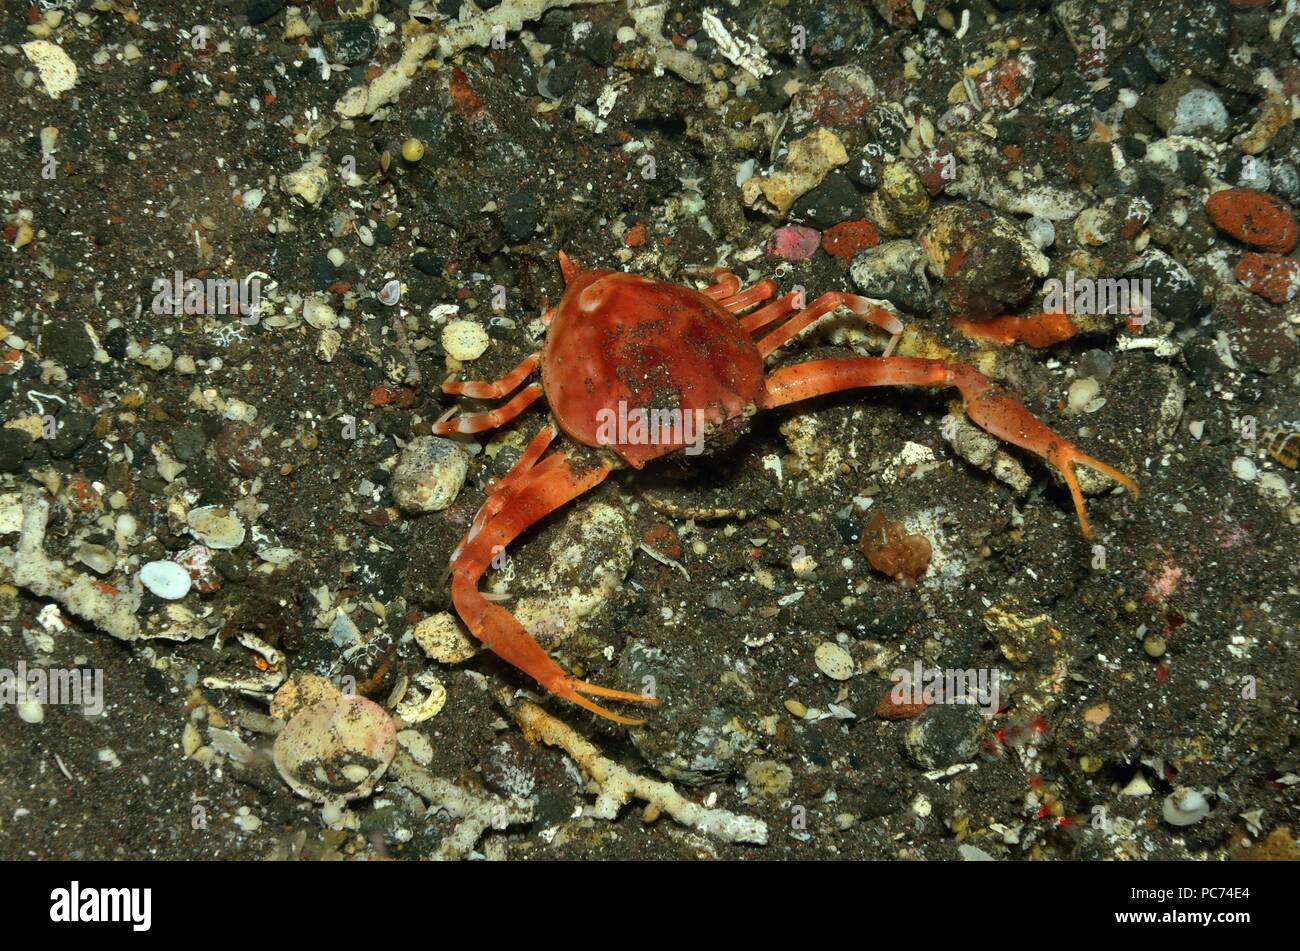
(1244,469)
(166,579)
(336,257)
(29,711)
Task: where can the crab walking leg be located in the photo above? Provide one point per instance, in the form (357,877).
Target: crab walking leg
(488,390)
(991,407)
(750,296)
(781,307)
(727,285)
(499,491)
(549,485)
(532,452)
(824,305)
(477,422)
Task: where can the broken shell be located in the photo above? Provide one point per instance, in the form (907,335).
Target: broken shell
(216,526)
(301,690)
(336,749)
(1185,807)
(417,706)
(441,638)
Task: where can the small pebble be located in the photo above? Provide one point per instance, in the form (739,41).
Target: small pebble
(429,474)
(1244,469)
(166,579)
(413,150)
(834,661)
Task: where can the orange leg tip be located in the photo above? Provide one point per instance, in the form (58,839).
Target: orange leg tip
(572,689)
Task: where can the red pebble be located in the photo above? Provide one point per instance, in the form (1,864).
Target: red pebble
(936,167)
(849,237)
(794,243)
(1271,276)
(890,709)
(634,237)
(1006,85)
(1255,217)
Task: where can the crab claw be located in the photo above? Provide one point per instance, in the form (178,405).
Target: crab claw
(572,689)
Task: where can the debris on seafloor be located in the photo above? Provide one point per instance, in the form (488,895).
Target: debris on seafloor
(893,552)
(619,785)
(475,812)
(336,749)
(106,607)
(477,30)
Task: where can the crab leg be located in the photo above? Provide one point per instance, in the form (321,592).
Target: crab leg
(532,452)
(1035,330)
(750,296)
(477,422)
(499,491)
(727,285)
(992,408)
(539,491)
(779,308)
(823,305)
(486,390)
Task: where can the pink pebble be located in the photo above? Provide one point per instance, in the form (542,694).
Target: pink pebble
(794,243)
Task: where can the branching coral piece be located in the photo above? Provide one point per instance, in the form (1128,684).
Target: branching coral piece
(476,30)
(619,785)
(109,609)
(477,812)
(648,18)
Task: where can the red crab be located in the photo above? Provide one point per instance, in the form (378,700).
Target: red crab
(621,340)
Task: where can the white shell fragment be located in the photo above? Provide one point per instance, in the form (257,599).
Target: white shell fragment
(441,638)
(834,661)
(336,750)
(319,314)
(58,71)
(429,474)
(166,579)
(310,182)
(216,526)
(424,700)
(1185,807)
(464,340)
